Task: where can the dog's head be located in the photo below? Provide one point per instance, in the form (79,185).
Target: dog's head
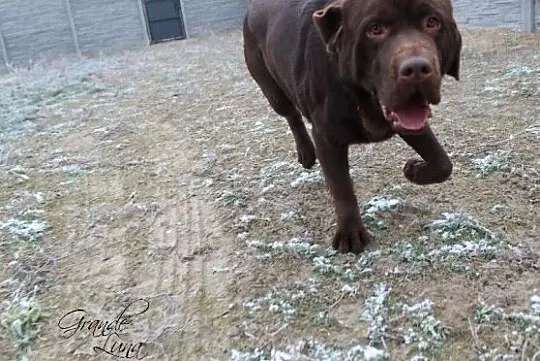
(398,50)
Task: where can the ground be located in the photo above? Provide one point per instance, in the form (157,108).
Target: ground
(160,182)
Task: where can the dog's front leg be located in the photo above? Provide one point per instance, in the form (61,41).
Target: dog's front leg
(351,235)
(436,166)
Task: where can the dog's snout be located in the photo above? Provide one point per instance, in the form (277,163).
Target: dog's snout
(415,69)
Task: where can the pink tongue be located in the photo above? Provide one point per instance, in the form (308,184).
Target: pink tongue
(413,118)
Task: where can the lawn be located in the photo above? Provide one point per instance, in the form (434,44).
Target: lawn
(160,184)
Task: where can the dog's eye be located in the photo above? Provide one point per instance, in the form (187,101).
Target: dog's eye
(432,23)
(376,30)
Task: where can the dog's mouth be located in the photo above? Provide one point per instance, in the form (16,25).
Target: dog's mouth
(408,118)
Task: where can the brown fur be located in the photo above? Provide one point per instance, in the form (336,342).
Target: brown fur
(334,63)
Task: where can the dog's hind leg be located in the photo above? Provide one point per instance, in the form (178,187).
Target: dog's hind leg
(281,104)
(304,144)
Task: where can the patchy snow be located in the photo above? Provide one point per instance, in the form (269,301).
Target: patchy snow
(382,203)
(461,226)
(497,208)
(534,129)
(307,177)
(376,313)
(29,230)
(255,355)
(283,301)
(492,162)
(253,305)
(244,221)
(535,304)
(379,204)
(295,245)
(458,237)
(418,309)
(21,318)
(466,248)
(312,350)
(324,265)
(268,188)
(348,289)
(527,321)
(255,243)
(427,331)
(274,173)
(247,218)
(495,355)
(488,313)
(518,70)
(289,216)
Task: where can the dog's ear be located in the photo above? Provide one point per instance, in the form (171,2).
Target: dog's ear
(454,52)
(329,22)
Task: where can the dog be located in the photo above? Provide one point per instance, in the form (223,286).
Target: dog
(359,71)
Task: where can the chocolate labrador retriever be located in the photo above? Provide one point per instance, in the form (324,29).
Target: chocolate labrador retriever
(360,71)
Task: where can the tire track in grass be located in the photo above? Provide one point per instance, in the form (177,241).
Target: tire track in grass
(179,261)
(182,270)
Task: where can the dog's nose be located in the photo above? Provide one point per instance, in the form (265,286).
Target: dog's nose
(415,68)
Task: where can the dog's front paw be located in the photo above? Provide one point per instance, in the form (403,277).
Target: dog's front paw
(353,238)
(415,170)
(420,172)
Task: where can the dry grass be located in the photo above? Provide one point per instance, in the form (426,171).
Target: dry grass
(163,174)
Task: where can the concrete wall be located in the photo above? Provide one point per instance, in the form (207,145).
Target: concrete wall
(491,13)
(34,28)
(31,30)
(214,15)
(105,25)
